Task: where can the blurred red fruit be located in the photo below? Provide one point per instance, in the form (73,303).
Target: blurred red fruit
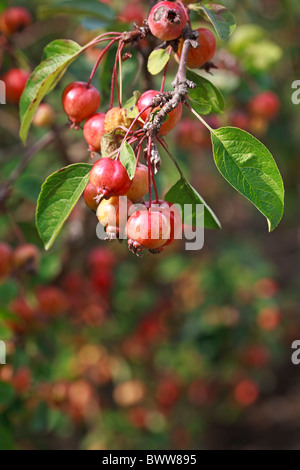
(265,105)
(22,380)
(246,393)
(14,19)
(52,300)
(6,260)
(27,257)
(15,81)
(269,318)
(133,12)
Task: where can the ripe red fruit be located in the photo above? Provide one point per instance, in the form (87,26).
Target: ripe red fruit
(246,393)
(80,101)
(139,187)
(27,257)
(89,195)
(147,229)
(21,380)
(22,310)
(173,118)
(265,105)
(172,214)
(204,53)
(6,260)
(167,20)
(93,130)
(133,12)
(15,81)
(112,216)
(14,19)
(110,178)
(52,301)
(241,119)
(44,116)
(101,258)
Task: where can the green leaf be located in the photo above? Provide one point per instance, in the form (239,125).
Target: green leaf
(130,105)
(92,9)
(6,439)
(7,394)
(58,56)
(128,160)
(220,17)
(183,193)
(250,168)
(205,98)
(58,196)
(157,61)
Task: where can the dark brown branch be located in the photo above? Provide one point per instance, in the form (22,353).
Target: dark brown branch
(181,86)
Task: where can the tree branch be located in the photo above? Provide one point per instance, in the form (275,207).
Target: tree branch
(181,86)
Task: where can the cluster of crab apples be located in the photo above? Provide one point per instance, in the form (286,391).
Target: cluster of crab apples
(152,224)
(147,225)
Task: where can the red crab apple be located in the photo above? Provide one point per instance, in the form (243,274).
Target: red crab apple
(6,260)
(265,105)
(27,257)
(173,118)
(90,194)
(15,81)
(167,20)
(110,178)
(139,187)
(80,100)
(93,130)
(113,214)
(14,19)
(52,300)
(148,229)
(204,53)
(172,213)
(246,393)
(132,12)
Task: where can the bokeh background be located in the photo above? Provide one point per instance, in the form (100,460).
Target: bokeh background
(186,350)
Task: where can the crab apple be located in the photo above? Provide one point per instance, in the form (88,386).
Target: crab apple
(148,229)
(139,187)
(173,118)
(117,117)
(14,19)
(52,300)
(133,12)
(15,81)
(90,194)
(27,257)
(110,178)
(204,53)
(44,116)
(240,119)
(22,380)
(113,214)
(22,310)
(173,215)
(246,393)
(6,260)
(80,100)
(93,130)
(167,20)
(265,105)
(101,258)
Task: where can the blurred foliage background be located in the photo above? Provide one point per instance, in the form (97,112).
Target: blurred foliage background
(187,350)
